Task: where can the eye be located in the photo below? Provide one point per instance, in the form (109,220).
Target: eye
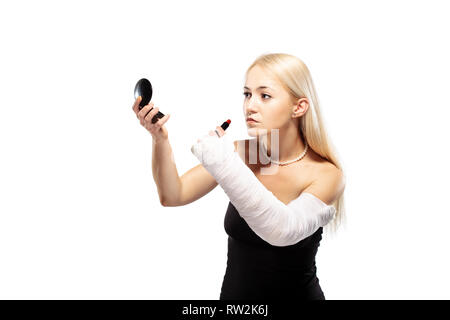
(245,95)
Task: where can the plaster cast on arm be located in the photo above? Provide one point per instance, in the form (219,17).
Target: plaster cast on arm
(272,220)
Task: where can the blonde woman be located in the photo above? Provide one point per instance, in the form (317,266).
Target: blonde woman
(284,186)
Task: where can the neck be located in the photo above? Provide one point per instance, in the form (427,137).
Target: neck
(290,145)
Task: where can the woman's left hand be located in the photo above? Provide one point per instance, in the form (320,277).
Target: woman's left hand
(211,149)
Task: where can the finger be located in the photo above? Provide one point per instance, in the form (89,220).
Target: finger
(147,120)
(143,112)
(220,131)
(159,121)
(151,114)
(136,104)
(163,120)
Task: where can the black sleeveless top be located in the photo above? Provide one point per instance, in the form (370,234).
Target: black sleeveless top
(259,270)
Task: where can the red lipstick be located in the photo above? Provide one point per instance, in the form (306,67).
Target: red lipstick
(220,131)
(225,125)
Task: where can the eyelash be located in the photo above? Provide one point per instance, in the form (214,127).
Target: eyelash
(262,94)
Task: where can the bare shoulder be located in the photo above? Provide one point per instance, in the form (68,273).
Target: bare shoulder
(328,183)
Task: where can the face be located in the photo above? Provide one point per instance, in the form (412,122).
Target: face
(272,107)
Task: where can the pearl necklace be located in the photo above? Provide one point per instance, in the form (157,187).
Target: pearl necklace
(285,162)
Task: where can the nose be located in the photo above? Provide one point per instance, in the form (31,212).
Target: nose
(250,108)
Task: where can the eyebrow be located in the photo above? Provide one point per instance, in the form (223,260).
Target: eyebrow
(260,87)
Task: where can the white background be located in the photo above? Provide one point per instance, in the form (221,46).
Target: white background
(79,213)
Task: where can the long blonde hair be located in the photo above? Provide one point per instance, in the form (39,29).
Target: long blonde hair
(296,78)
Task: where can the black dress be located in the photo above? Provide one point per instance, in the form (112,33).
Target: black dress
(258,270)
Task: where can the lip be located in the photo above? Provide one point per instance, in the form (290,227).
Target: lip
(251,120)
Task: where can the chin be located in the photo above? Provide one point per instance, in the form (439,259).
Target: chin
(256,132)
(251,132)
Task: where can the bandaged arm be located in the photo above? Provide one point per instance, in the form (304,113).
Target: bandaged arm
(272,220)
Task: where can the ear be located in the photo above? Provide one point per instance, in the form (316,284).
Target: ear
(301,107)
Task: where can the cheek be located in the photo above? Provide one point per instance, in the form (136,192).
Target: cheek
(274,108)
(276,116)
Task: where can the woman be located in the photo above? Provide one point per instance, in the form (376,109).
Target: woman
(297,168)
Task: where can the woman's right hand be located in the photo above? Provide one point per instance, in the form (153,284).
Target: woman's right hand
(157,130)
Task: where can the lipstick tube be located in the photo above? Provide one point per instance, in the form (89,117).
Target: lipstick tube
(220,131)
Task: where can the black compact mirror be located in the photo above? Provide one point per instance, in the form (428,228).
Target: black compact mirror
(144,89)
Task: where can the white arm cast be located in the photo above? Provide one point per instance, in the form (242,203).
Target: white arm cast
(272,220)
